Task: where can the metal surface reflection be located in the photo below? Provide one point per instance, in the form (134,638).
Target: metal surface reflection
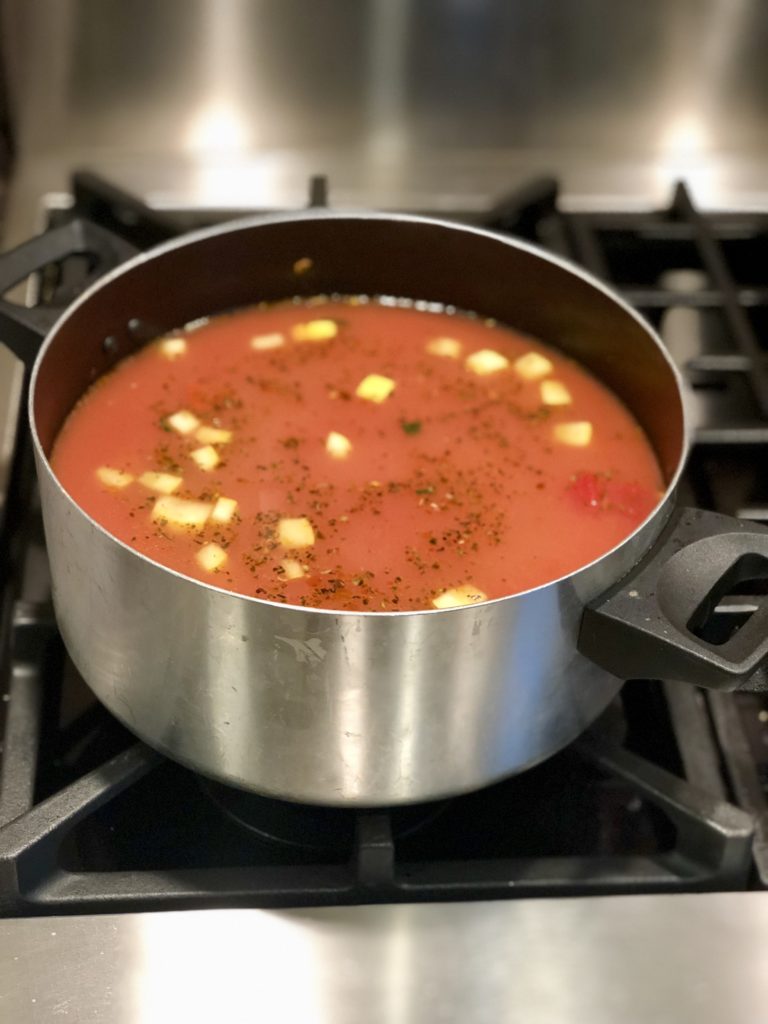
(409,104)
(691,959)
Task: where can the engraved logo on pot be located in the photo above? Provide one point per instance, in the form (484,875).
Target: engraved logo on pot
(306,651)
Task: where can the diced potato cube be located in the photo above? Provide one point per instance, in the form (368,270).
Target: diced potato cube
(375,388)
(292,570)
(265,342)
(183,422)
(213,435)
(577,434)
(211,557)
(223,510)
(113,477)
(554,393)
(337,445)
(181,512)
(206,457)
(315,330)
(172,348)
(295,533)
(467,593)
(448,347)
(163,483)
(533,366)
(486,361)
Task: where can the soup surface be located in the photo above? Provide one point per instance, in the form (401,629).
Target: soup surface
(357,454)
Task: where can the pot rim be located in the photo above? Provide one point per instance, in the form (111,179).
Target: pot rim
(256,220)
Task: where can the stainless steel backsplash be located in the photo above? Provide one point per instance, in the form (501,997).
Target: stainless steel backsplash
(411,103)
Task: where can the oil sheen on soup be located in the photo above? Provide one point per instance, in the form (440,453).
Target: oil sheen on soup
(358,454)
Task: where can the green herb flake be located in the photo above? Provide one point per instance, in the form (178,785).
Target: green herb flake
(411,426)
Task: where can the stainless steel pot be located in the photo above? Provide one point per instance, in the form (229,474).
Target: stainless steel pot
(351,708)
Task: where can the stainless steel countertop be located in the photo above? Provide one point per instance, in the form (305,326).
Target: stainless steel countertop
(686,959)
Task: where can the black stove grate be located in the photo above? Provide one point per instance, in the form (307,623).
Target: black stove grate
(701,280)
(664,794)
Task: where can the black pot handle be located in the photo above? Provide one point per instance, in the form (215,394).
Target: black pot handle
(649,624)
(22,328)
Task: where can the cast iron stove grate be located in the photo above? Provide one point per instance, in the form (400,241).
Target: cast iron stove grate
(647,801)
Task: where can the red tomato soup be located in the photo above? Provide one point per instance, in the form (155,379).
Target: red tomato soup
(358,454)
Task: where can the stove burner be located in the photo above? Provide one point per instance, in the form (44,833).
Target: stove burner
(662,795)
(323,830)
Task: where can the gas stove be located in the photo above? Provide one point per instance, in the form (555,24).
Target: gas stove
(666,793)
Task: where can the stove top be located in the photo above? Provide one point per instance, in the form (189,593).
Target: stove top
(667,792)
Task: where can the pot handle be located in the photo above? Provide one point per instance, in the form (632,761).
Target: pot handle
(651,623)
(22,328)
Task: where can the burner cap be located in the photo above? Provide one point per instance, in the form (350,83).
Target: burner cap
(307,826)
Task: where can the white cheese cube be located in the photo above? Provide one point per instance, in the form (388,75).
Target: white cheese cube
(183,422)
(213,435)
(577,434)
(337,445)
(315,330)
(180,512)
(554,393)
(206,457)
(223,510)
(533,366)
(292,570)
(486,361)
(375,388)
(211,557)
(172,348)
(450,348)
(467,593)
(163,483)
(265,342)
(295,533)
(113,477)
